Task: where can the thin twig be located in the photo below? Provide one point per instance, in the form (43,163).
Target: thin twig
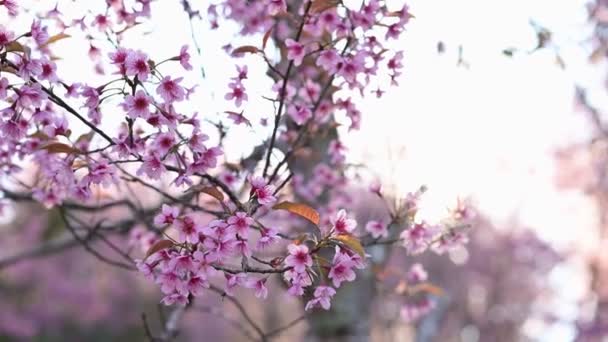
(277,117)
(242,310)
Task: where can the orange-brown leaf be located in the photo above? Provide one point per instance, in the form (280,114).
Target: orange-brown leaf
(213,192)
(352,243)
(426,287)
(265,39)
(15,46)
(56,38)
(158,246)
(301,210)
(245,49)
(319,6)
(57,147)
(39,135)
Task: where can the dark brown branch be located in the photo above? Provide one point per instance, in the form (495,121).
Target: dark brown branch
(277,331)
(277,117)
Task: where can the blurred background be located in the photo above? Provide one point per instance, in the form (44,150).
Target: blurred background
(501,104)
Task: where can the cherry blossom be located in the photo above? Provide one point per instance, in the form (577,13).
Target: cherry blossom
(341,224)
(298,258)
(341,268)
(295,51)
(323,295)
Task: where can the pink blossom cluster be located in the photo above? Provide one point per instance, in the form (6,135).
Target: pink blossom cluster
(183,268)
(331,47)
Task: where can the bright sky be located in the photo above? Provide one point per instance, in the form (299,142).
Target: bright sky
(488,131)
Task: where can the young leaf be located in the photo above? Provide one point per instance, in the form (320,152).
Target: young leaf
(158,246)
(213,192)
(56,38)
(245,49)
(57,147)
(319,6)
(265,39)
(352,243)
(301,210)
(14,46)
(426,287)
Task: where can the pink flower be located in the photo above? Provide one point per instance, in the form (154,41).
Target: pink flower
(194,285)
(102,22)
(237,93)
(299,113)
(163,142)
(119,57)
(240,222)
(167,215)
(152,167)
(182,264)
(417,274)
(298,258)
(341,269)
(168,281)
(330,60)
(72,90)
(295,51)
(146,269)
(184,58)
(276,6)
(31,96)
(233,281)
(39,32)
(175,298)
(263,192)
(14,128)
(48,71)
(242,70)
(322,298)
(3,87)
(138,105)
(92,97)
(342,224)
(393,31)
(298,281)
(261,291)
(418,238)
(6,36)
(269,236)
(265,195)
(11,6)
(170,90)
(29,67)
(377,229)
(188,229)
(450,241)
(136,64)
